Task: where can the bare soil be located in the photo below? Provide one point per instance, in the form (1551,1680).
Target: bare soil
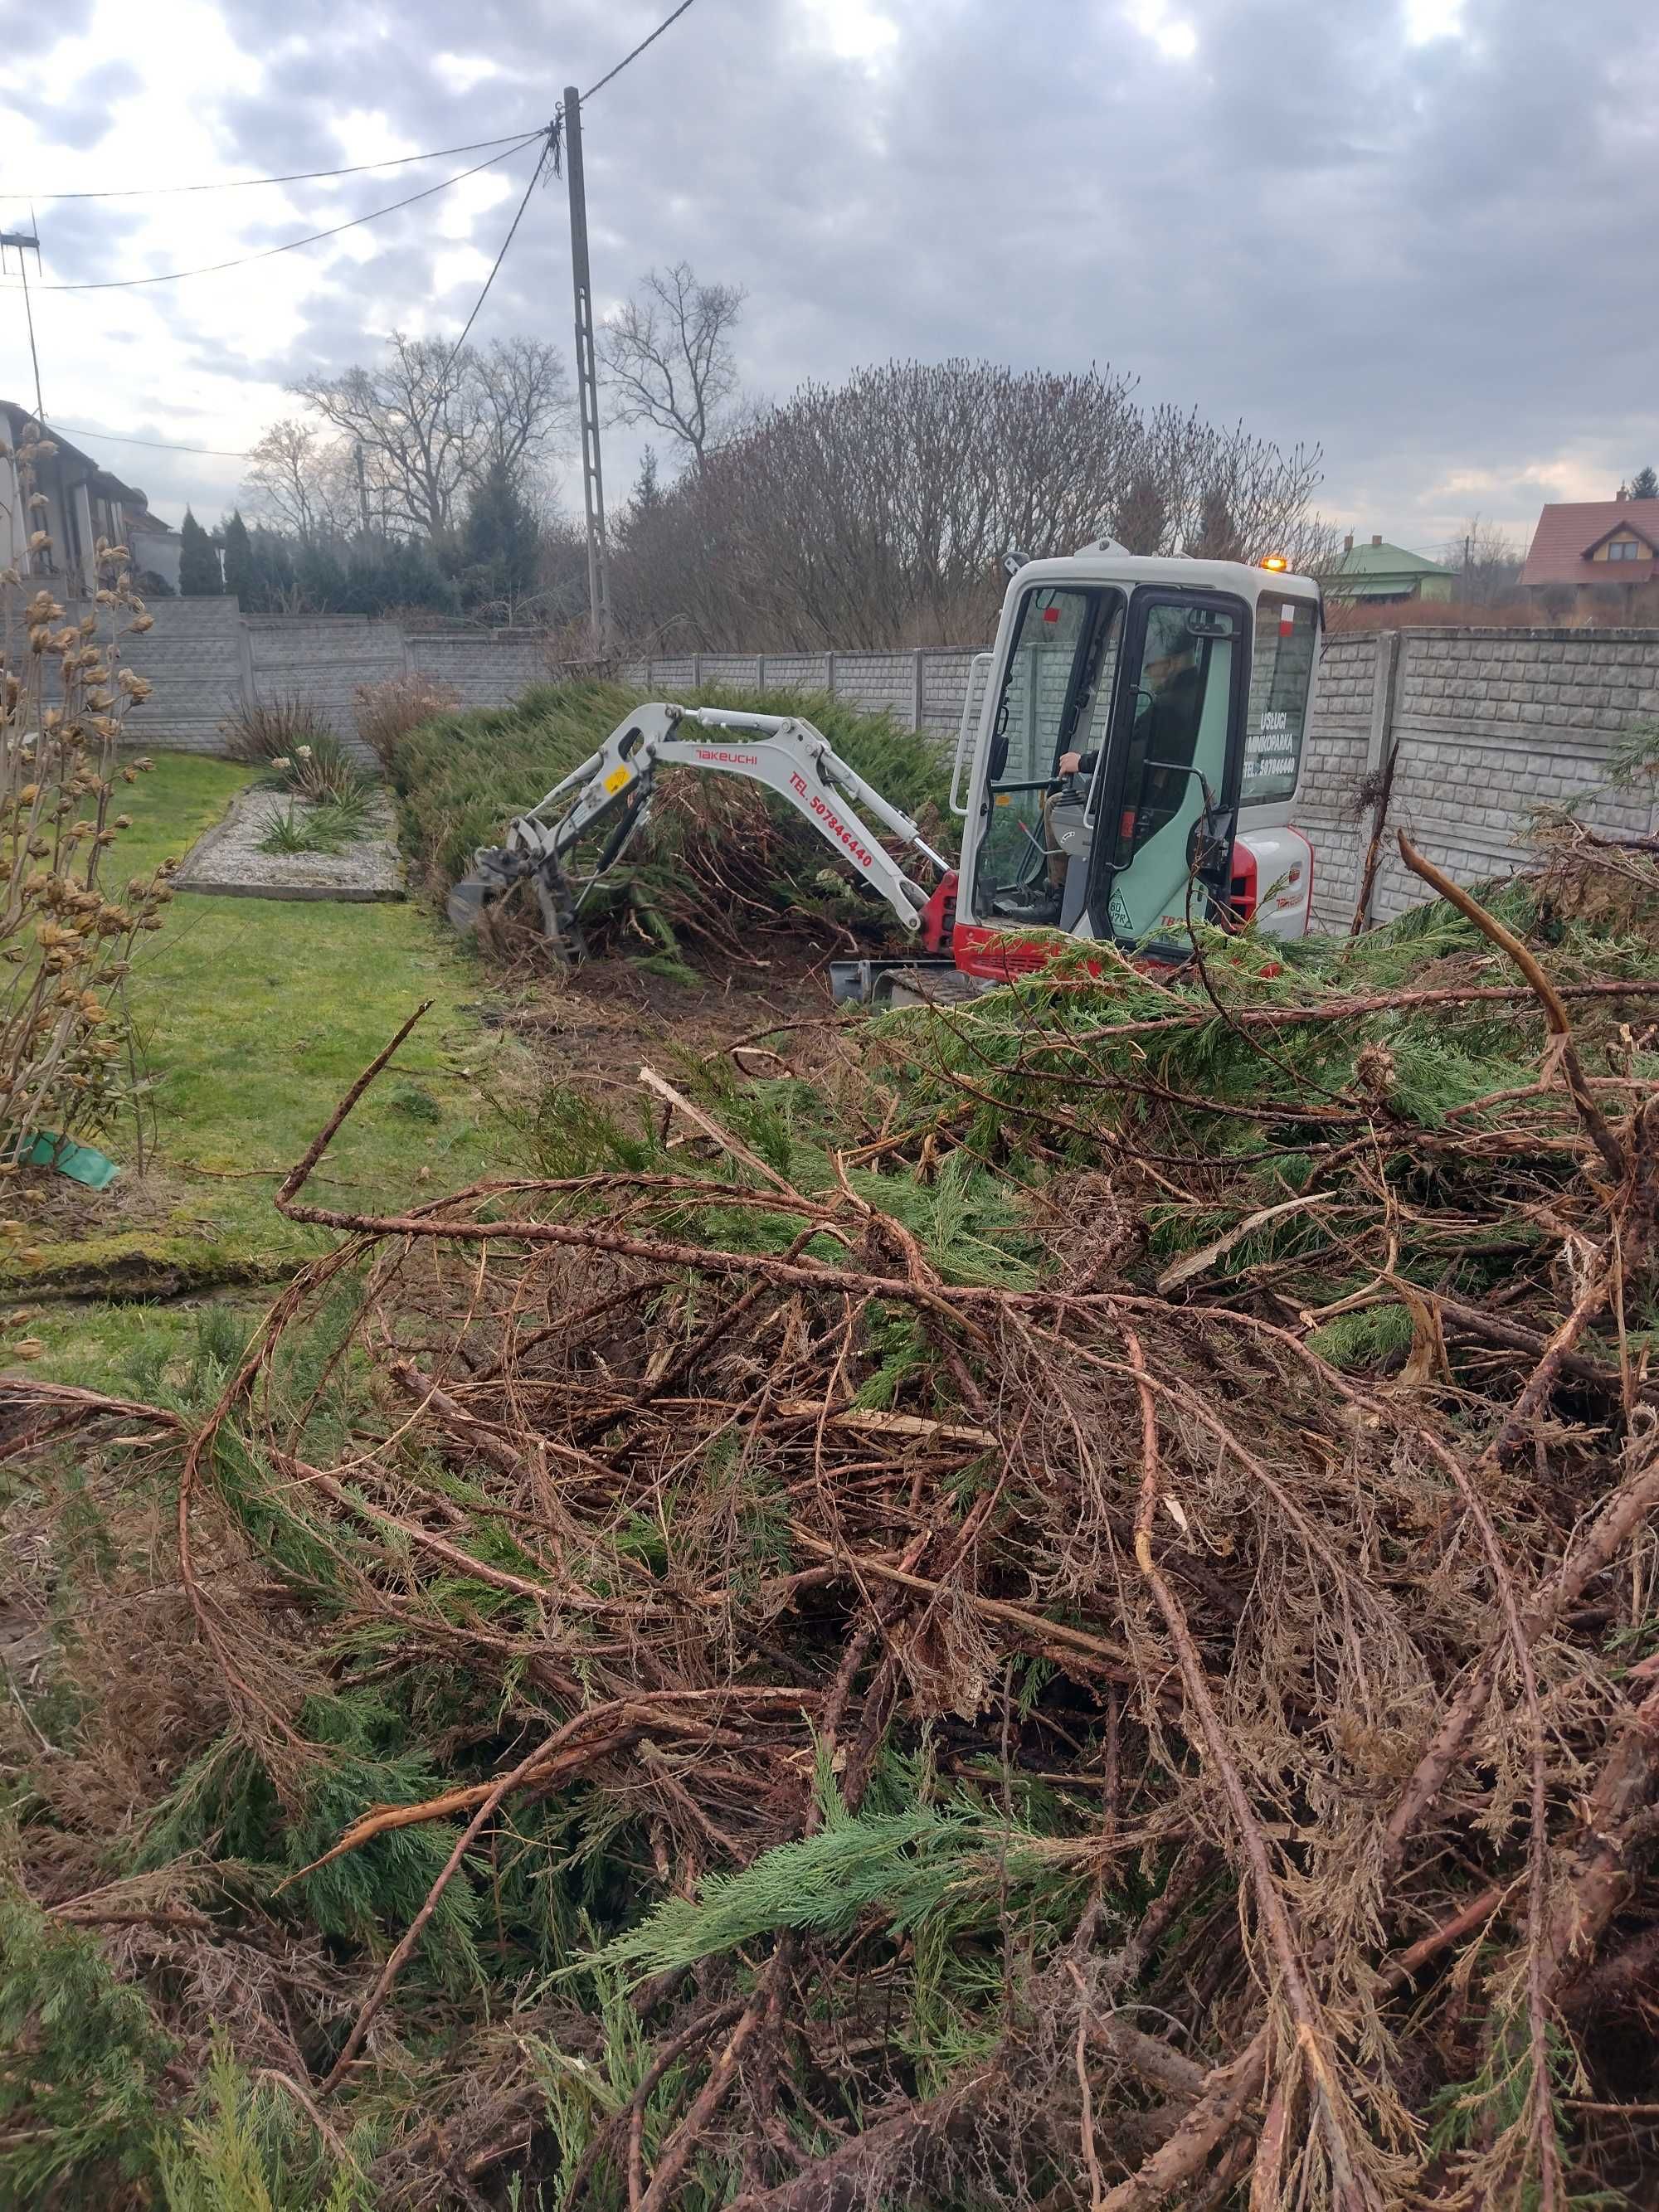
(597,1024)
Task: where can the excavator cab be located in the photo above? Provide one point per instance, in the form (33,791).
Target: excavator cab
(1138,739)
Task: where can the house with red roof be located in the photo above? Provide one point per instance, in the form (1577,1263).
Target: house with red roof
(1597,559)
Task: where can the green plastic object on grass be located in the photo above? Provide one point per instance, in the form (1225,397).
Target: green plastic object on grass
(80,1162)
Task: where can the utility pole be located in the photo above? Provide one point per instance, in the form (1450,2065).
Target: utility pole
(587,380)
(27,242)
(363,489)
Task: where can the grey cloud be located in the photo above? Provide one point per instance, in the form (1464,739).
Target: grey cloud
(76,112)
(1428,259)
(36,31)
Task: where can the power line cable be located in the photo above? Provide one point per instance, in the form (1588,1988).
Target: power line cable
(289,246)
(222,452)
(154,445)
(293,176)
(638,50)
(548,135)
(535,178)
(354,169)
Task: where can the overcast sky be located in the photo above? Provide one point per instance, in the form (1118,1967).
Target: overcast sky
(1417,233)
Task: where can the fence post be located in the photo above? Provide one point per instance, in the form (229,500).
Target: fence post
(697,672)
(1381,753)
(244,651)
(760,671)
(829,673)
(916,690)
(650,672)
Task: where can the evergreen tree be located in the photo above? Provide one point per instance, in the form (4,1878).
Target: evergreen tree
(1645,484)
(199,563)
(1217,533)
(647,492)
(272,571)
(1141,521)
(321,579)
(239,560)
(409,577)
(501,540)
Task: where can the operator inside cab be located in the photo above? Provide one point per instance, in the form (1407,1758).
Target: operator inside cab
(1162,743)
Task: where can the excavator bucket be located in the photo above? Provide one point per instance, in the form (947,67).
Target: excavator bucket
(494,873)
(465,904)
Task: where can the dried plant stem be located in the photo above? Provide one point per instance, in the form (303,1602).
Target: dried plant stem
(1555,1014)
(1312,2038)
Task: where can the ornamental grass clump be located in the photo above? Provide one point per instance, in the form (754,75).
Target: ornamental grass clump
(66,935)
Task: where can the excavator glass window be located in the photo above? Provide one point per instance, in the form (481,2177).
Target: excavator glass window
(1281,671)
(1168,803)
(1055,701)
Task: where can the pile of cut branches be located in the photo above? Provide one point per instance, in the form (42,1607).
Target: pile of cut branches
(1067,1622)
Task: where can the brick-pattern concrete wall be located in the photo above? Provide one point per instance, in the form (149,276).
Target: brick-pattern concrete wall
(1492,725)
(486,671)
(1334,761)
(923,690)
(322,659)
(193,656)
(1483,727)
(205,657)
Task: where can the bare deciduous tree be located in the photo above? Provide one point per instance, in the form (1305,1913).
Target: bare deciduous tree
(429,428)
(1140,519)
(299,480)
(1487,561)
(668,359)
(876,513)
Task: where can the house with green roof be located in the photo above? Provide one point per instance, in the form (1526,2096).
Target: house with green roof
(1380,572)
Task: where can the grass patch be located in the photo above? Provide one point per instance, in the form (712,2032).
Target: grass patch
(255,1016)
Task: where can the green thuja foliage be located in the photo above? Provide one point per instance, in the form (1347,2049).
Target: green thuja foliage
(1365,1338)
(1489,2118)
(462,777)
(964,1217)
(902,1862)
(367,1754)
(574,1135)
(81,2058)
(896,1337)
(251,2152)
(199,574)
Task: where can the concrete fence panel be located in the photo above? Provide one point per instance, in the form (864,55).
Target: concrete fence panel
(487,670)
(193,656)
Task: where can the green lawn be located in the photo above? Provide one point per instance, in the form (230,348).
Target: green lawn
(255,1015)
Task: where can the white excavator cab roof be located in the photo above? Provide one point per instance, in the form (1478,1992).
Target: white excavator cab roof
(1105,561)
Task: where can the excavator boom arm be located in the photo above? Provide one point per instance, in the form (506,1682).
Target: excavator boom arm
(781,753)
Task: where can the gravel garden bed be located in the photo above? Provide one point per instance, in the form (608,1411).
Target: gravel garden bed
(229,861)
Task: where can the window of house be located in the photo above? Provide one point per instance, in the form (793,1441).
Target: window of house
(1625,549)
